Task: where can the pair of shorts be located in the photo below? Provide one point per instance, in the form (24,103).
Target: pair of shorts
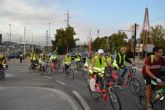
(148,79)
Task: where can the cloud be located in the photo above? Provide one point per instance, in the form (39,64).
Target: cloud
(35,16)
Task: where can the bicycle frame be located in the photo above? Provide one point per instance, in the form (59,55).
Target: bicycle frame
(140,98)
(102,93)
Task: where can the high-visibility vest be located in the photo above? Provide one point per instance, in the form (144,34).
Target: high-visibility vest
(33,56)
(88,63)
(120,58)
(43,56)
(67,60)
(78,58)
(109,59)
(99,68)
(53,57)
(114,64)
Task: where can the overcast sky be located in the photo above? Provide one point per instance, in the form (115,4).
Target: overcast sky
(87,16)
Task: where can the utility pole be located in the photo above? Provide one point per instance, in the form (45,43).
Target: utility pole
(20,39)
(98,33)
(134,41)
(68,18)
(49,34)
(24,41)
(32,41)
(10,31)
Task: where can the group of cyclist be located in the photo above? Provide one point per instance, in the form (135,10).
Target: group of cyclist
(96,63)
(152,69)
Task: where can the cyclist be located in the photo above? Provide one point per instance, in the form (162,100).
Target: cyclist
(88,62)
(53,59)
(33,56)
(77,60)
(151,71)
(120,62)
(2,60)
(98,67)
(42,60)
(67,61)
(33,59)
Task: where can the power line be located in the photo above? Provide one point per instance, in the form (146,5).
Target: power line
(158,18)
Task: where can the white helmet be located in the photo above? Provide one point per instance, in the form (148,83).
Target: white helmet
(100,51)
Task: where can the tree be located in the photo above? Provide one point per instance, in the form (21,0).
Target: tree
(158,35)
(115,41)
(64,40)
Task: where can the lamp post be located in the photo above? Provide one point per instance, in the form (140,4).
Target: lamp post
(49,34)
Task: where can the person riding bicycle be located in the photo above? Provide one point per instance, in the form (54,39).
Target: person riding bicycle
(2,60)
(98,67)
(120,62)
(67,61)
(151,71)
(109,58)
(42,60)
(33,56)
(88,62)
(53,59)
(77,60)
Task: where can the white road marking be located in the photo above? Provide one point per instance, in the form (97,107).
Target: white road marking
(61,83)
(82,100)
(35,74)
(2,88)
(9,75)
(48,77)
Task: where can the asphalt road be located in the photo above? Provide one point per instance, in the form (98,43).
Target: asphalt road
(24,90)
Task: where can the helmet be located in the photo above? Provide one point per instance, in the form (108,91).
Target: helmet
(100,51)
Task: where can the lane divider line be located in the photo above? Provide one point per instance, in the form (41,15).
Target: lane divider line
(47,77)
(61,83)
(82,100)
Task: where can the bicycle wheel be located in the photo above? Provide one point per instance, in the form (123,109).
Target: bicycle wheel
(135,85)
(140,101)
(60,68)
(93,94)
(114,99)
(48,70)
(71,73)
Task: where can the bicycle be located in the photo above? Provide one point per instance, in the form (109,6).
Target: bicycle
(45,68)
(133,83)
(70,71)
(109,93)
(157,96)
(33,66)
(79,66)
